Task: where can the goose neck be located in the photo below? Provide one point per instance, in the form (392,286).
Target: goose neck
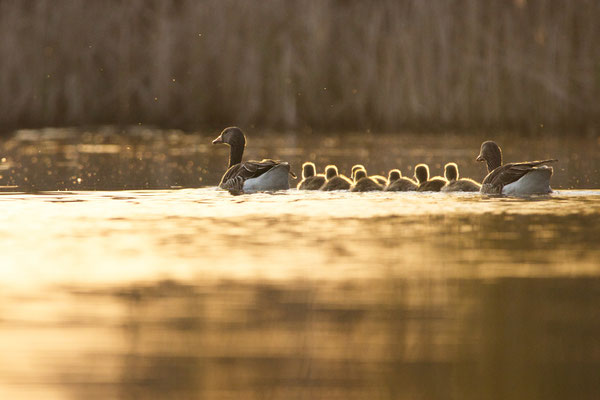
(236,152)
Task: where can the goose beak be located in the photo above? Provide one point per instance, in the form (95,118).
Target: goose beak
(479,158)
(218,140)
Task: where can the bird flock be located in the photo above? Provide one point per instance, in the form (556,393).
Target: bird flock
(360,181)
(519,178)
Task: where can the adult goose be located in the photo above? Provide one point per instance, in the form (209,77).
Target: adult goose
(399,183)
(362,183)
(250,176)
(458,185)
(426,184)
(335,181)
(310,181)
(522,178)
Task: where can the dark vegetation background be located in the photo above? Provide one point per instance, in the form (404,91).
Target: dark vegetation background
(386,65)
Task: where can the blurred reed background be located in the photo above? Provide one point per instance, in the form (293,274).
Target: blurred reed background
(387,65)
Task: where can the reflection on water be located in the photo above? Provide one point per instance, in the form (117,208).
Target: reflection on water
(197,294)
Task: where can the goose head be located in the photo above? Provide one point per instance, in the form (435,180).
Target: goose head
(232,136)
(422,173)
(308,169)
(394,175)
(451,172)
(359,174)
(330,171)
(235,139)
(490,153)
(355,168)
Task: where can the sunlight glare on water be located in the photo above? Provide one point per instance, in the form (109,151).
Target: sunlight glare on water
(112,237)
(194,293)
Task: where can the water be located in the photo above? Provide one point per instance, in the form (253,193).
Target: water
(142,158)
(193,293)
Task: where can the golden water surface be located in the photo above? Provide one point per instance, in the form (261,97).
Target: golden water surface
(124,273)
(193,293)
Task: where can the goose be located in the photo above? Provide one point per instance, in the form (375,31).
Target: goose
(334,180)
(363,183)
(378,178)
(455,184)
(426,184)
(400,184)
(250,176)
(522,178)
(355,168)
(394,175)
(310,181)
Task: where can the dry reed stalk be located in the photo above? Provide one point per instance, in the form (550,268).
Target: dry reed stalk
(292,64)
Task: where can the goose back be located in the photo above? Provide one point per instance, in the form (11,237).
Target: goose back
(243,177)
(434,184)
(337,183)
(312,183)
(402,185)
(521,178)
(462,185)
(511,178)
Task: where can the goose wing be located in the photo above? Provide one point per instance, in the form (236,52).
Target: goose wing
(235,176)
(512,172)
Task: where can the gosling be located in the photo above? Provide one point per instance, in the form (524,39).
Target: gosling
(362,183)
(426,184)
(458,185)
(310,181)
(399,183)
(334,180)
